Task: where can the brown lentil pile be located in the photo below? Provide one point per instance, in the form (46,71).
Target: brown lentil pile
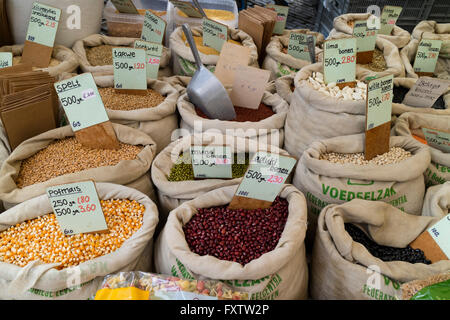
(124,101)
(68,156)
(395,155)
(42,239)
(246,114)
(100,55)
(378,63)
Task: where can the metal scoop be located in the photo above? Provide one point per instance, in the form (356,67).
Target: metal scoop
(199,7)
(205,91)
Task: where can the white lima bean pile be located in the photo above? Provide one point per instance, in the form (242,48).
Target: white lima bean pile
(395,155)
(332,90)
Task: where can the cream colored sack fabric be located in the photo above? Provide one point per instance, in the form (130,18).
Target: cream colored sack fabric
(183,60)
(131,173)
(279,274)
(68,60)
(409,124)
(315,116)
(158,122)
(344,269)
(95,40)
(42,281)
(285,87)
(171,194)
(399,37)
(269,131)
(280,63)
(437,201)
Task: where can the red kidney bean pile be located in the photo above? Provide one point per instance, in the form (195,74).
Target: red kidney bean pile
(236,235)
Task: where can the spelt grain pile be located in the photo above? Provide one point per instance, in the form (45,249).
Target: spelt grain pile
(42,239)
(395,155)
(378,63)
(124,101)
(100,55)
(68,156)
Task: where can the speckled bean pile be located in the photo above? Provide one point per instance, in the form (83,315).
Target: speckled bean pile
(395,155)
(124,101)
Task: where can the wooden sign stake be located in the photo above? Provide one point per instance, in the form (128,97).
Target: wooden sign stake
(99,136)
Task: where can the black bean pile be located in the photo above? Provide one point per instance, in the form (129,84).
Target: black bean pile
(400,93)
(385,253)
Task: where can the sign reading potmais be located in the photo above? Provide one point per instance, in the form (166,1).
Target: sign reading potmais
(298,46)
(6,59)
(340,60)
(130,70)
(81,101)
(211,161)
(77,207)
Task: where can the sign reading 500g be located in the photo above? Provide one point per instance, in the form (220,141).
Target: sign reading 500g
(340,60)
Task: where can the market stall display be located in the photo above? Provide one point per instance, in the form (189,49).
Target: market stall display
(48,279)
(278,274)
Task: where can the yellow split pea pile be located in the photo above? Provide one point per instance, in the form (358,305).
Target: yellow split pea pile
(42,239)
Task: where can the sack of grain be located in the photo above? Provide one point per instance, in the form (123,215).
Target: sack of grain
(63,59)
(269,130)
(279,274)
(404,84)
(99,62)
(437,201)
(409,124)
(171,194)
(324,182)
(183,60)
(38,280)
(279,62)
(344,269)
(344,23)
(156,119)
(314,116)
(410,289)
(132,173)
(285,87)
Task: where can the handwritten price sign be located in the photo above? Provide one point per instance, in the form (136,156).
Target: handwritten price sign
(379,101)
(6,59)
(366,38)
(340,60)
(130,70)
(389,18)
(298,46)
(214,34)
(43,24)
(153,56)
(427,55)
(77,207)
(211,161)
(437,139)
(153,28)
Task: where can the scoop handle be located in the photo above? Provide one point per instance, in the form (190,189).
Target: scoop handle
(311,49)
(197,4)
(190,39)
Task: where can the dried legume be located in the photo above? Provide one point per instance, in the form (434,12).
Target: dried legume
(378,63)
(42,239)
(182,170)
(332,90)
(68,156)
(124,101)
(236,235)
(100,55)
(246,114)
(394,155)
(386,253)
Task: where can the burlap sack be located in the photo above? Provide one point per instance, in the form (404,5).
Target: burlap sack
(42,281)
(130,173)
(280,274)
(281,64)
(67,58)
(178,82)
(344,269)
(400,108)
(285,87)
(323,182)
(95,40)
(184,62)
(314,116)
(171,194)
(158,122)
(399,37)
(269,131)
(410,123)
(437,201)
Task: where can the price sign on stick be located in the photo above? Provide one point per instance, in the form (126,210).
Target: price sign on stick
(298,46)
(248,86)
(339,63)
(153,28)
(215,34)
(85,111)
(282,13)
(426,56)
(378,116)
(211,161)
(130,69)
(425,92)
(6,59)
(437,139)
(187,8)
(41,35)
(77,207)
(125,6)
(153,57)
(231,57)
(389,17)
(365,41)
(263,181)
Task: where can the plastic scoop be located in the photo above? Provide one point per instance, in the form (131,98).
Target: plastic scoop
(205,91)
